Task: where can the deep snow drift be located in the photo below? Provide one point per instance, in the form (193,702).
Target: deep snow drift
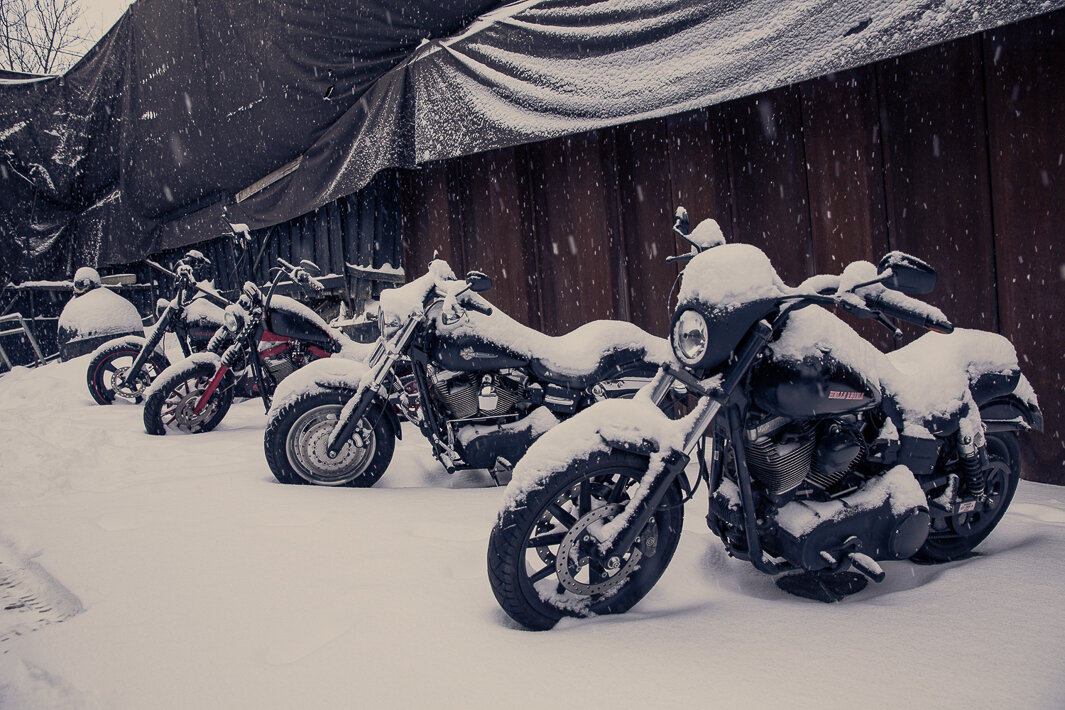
(186,577)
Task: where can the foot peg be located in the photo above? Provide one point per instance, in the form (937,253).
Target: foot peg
(867,566)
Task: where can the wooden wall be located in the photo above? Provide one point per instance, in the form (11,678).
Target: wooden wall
(953,153)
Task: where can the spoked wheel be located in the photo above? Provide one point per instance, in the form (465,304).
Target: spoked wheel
(297,441)
(955,537)
(545,562)
(172,400)
(109,365)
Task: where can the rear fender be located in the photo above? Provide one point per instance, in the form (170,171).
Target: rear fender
(1010,413)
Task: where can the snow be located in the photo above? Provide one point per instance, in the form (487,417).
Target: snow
(728,276)
(99,312)
(203,583)
(897,486)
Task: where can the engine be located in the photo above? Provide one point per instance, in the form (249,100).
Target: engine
(783,453)
(477,394)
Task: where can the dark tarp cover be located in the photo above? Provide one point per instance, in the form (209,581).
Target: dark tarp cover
(180,106)
(210,97)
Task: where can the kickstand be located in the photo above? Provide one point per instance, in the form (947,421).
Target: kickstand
(823,586)
(501,466)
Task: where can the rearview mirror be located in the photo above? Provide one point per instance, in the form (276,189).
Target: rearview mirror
(310,267)
(906,273)
(478,281)
(681,223)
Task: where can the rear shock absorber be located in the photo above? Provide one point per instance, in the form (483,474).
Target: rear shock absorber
(971,467)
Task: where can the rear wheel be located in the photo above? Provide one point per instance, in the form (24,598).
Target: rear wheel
(544,561)
(109,366)
(172,400)
(959,534)
(297,440)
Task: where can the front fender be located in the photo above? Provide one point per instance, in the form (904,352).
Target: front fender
(646,446)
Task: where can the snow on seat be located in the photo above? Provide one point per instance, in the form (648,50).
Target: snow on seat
(578,358)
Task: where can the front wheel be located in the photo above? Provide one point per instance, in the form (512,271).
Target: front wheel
(955,537)
(544,561)
(172,399)
(109,365)
(297,440)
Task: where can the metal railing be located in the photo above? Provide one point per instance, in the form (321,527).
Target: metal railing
(23,328)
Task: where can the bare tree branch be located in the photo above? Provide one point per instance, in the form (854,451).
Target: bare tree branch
(40,36)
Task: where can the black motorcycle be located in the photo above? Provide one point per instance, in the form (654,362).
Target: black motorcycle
(124,367)
(478,385)
(264,338)
(821,455)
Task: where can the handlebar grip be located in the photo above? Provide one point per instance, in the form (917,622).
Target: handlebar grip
(474,306)
(924,320)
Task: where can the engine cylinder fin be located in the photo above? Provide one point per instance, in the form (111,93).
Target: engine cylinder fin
(780,467)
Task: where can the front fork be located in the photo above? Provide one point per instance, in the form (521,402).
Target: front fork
(711,401)
(350,416)
(150,344)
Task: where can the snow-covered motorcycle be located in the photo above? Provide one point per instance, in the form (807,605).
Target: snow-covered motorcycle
(821,454)
(264,338)
(124,367)
(485,386)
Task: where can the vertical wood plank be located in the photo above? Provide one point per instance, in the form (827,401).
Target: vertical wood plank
(645,197)
(768,169)
(1025,74)
(496,235)
(572,226)
(936,172)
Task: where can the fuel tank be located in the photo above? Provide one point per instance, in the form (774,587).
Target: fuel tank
(465,352)
(812,387)
(291,324)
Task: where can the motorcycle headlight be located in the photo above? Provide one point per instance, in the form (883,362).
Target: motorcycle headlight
(233,318)
(690,337)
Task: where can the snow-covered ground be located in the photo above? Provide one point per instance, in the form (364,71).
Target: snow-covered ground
(183,576)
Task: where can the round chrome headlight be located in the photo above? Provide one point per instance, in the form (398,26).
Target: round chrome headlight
(690,337)
(233,318)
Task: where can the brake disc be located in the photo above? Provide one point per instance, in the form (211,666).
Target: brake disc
(570,559)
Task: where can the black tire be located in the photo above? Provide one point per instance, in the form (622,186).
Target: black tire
(171,399)
(965,531)
(112,361)
(297,434)
(525,543)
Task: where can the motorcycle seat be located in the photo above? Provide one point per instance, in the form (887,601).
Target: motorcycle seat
(578,359)
(933,378)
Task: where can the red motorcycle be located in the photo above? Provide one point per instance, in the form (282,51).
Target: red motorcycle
(265,338)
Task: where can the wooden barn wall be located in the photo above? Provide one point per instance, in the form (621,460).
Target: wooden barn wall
(953,153)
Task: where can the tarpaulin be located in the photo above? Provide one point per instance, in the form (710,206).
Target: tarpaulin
(271,109)
(180,106)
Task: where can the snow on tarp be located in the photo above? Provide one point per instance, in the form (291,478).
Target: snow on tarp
(317,100)
(536,70)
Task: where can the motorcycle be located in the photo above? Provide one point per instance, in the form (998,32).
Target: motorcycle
(264,338)
(478,385)
(822,456)
(124,367)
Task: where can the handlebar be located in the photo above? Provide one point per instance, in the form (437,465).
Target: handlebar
(925,320)
(474,306)
(299,275)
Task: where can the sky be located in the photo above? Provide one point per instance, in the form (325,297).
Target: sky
(98,17)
